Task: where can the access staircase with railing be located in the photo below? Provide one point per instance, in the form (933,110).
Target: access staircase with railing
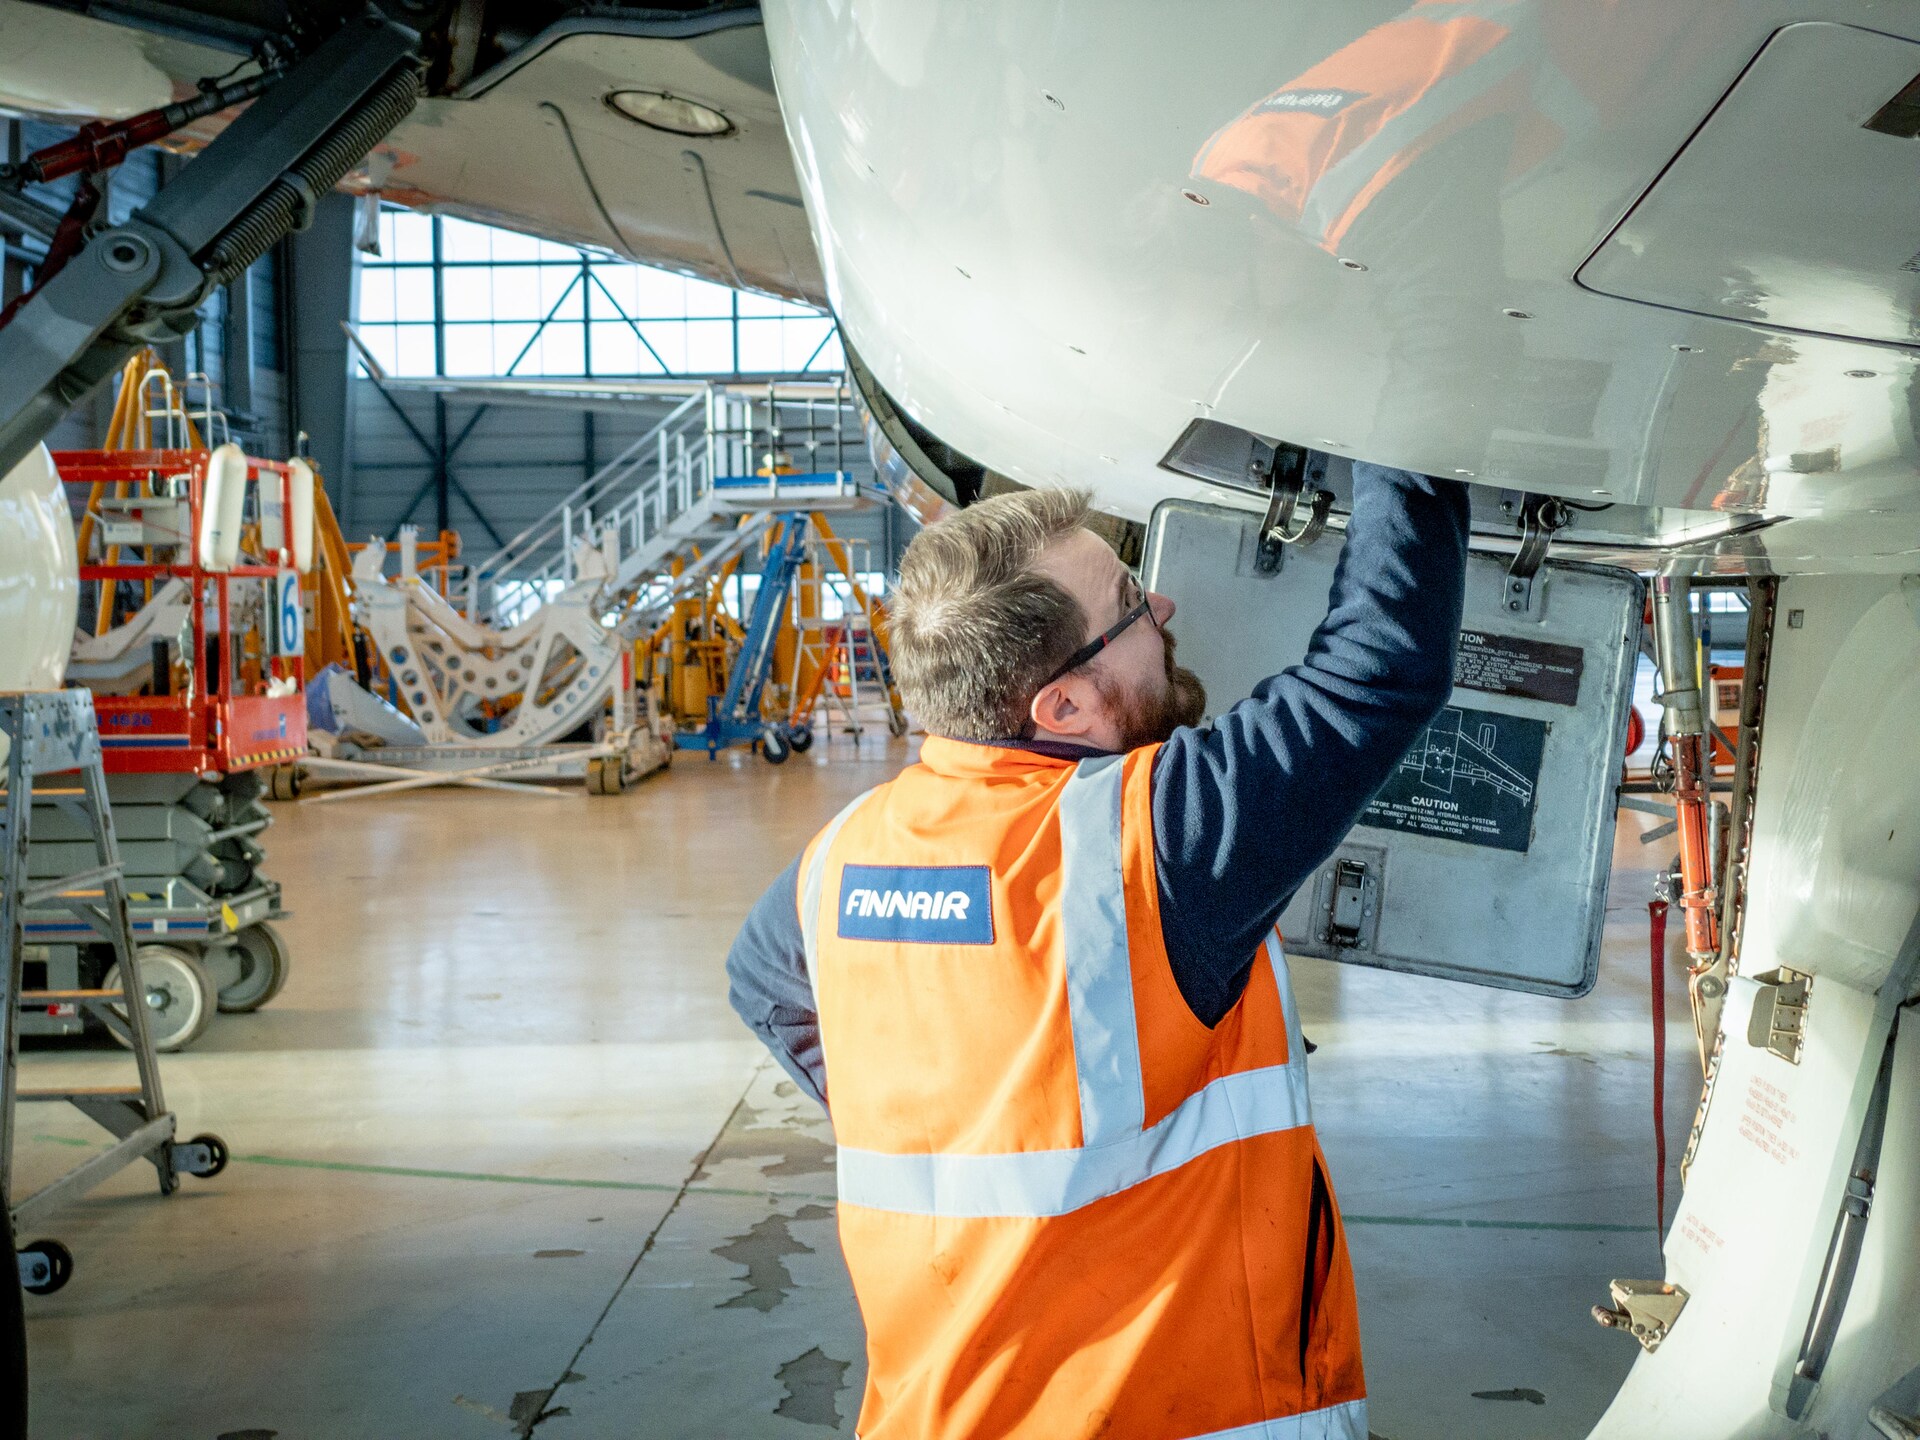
(699,486)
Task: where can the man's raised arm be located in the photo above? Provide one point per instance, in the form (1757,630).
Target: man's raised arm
(1245,809)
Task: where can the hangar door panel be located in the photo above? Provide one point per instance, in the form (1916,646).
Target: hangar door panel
(1485,855)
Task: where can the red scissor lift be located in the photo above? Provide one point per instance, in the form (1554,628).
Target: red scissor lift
(219,722)
(185,757)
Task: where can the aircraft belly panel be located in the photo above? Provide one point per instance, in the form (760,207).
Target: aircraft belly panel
(1832,252)
(1485,856)
(1056,245)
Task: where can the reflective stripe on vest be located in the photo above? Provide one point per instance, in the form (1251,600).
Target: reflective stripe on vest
(810,884)
(1335,1422)
(1118,1150)
(1093,924)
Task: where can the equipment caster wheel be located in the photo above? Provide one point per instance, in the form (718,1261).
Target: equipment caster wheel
(607,775)
(204,1156)
(800,737)
(774,748)
(285,782)
(263,969)
(896,723)
(181,1000)
(45,1266)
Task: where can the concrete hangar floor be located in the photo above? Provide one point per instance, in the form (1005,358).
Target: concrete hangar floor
(505,1163)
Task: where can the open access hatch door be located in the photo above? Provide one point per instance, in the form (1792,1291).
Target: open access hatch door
(1485,856)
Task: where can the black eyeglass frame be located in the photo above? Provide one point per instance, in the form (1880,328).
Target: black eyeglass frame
(1105,638)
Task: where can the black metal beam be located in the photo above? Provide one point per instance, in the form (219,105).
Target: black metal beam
(466,430)
(426,445)
(473,505)
(413,502)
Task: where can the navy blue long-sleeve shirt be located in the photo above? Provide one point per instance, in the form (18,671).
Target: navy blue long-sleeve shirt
(1246,808)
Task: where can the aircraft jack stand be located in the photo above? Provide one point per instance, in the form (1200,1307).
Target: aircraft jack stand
(51,735)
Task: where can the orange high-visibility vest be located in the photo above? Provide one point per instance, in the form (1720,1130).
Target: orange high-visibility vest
(1069,1208)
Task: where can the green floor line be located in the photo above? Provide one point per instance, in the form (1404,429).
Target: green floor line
(417,1173)
(563,1182)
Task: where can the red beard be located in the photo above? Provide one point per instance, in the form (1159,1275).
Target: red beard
(1150,719)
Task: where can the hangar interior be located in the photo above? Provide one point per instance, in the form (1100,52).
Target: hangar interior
(562,518)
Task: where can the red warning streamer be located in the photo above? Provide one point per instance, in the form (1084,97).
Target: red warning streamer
(1657,940)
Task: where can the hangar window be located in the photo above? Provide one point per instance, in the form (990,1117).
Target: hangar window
(450,297)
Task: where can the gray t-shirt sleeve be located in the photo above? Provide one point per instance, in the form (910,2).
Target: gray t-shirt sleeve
(768,986)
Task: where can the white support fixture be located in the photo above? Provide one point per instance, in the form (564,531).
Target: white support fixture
(561,661)
(121,661)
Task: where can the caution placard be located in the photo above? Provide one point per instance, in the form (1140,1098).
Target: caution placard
(1514,665)
(1470,777)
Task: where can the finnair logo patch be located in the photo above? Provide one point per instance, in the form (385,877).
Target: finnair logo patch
(918,904)
(1312,102)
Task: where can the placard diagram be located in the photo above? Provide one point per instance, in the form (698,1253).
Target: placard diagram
(1470,776)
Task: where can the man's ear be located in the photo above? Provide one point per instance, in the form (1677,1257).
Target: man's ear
(1056,710)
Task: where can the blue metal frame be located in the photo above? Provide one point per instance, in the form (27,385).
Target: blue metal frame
(734,718)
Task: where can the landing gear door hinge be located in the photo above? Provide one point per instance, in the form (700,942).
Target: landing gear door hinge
(1779,1018)
(1645,1309)
(1540,517)
(1281,470)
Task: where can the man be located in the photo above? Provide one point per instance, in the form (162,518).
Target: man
(1037,980)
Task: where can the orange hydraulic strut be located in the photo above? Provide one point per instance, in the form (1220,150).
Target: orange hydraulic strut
(1686,726)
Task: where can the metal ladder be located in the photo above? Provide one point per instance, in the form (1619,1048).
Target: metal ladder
(849,666)
(46,734)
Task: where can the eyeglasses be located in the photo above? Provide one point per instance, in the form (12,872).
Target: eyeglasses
(1106,637)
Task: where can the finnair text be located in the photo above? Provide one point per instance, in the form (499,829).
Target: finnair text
(909,904)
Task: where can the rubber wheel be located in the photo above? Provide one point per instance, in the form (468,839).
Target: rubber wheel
(896,723)
(613,775)
(774,747)
(181,1001)
(263,969)
(800,737)
(59,1260)
(285,782)
(218,1149)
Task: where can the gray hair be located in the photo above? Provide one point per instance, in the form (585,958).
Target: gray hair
(973,628)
